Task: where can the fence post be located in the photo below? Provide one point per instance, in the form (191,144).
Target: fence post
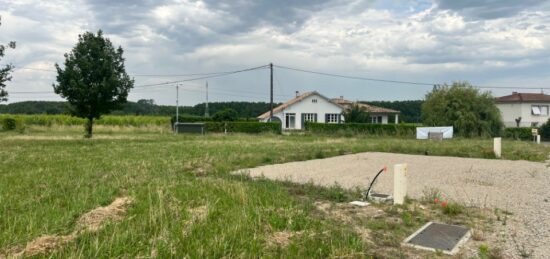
(497,147)
(399,183)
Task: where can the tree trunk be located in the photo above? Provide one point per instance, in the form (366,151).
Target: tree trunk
(89,126)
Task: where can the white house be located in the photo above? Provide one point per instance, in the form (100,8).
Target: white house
(312,106)
(524,109)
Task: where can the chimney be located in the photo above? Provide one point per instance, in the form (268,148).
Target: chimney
(514,92)
(297,93)
(341,97)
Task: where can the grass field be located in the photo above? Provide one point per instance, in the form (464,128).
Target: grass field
(185,202)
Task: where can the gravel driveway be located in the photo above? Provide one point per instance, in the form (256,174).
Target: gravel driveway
(520,187)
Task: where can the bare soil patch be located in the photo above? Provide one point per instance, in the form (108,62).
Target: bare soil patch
(91,221)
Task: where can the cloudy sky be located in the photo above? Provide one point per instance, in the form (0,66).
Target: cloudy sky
(489,43)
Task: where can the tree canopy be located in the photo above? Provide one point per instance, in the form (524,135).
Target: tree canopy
(94,80)
(227,114)
(356,114)
(5,71)
(469,111)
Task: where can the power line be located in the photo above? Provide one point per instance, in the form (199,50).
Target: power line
(401,82)
(354,77)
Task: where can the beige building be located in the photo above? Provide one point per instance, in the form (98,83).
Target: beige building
(524,109)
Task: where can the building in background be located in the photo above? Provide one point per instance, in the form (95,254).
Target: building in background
(314,107)
(524,109)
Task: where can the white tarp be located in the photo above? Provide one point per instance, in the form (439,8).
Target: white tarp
(422,132)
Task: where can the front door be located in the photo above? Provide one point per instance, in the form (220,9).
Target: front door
(290,120)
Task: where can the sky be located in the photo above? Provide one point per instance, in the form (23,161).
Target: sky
(504,43)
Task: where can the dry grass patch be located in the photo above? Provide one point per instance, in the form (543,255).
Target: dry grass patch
(282,238)
(91,221)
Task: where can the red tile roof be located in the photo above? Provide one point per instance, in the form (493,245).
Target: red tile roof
(523,97)
(369,108)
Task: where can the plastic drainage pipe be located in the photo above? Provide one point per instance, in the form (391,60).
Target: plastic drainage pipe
(372,182)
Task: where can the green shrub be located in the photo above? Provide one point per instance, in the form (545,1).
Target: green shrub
(518,133)
(226,114)
(243,127)
(402,130)
(544,130)
(9,124)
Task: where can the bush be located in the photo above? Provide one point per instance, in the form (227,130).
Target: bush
(544,130)
(402,130)
(243,127)
(226,114)
(518,133)
(9,124)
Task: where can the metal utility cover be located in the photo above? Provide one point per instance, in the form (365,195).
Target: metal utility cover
(439,237)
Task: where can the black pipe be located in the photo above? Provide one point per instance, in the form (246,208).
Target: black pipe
(371,183)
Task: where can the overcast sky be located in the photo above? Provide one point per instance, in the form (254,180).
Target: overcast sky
(492,42)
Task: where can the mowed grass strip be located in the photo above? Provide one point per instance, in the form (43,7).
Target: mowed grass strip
(47,182)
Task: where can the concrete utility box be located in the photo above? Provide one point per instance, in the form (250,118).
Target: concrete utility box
(439,237)
(183,127)
(400,175)
(435,136)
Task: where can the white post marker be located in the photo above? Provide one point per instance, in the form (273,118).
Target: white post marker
(399,183)
(538,139)
(497,147)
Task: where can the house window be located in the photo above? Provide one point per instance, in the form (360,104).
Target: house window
(290,120)
(539,110)
(376,119)
(309,117)
(332,118)
(314,100)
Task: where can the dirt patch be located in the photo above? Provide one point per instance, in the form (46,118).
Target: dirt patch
(351,215)
(197,214)
(346,213)
(282,238)
(91,221)
(94,219)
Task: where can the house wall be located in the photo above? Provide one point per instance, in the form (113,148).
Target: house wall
(511,111)
(321,107)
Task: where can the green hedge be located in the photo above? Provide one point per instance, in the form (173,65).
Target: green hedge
(243,127)
(518,133)
(402,130)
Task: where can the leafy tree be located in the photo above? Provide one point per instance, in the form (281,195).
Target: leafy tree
(5,71)
(544,130)
(356,114)
(94,80)
(226,114)
(469,111)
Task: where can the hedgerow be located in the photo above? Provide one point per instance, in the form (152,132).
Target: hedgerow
(523,133)
(66,120)
(243,127)
(402,130)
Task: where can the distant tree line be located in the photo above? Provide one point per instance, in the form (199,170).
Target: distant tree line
(141,107)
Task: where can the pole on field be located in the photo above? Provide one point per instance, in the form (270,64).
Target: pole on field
(271,92)
(399,183)
(206,114)
(177,107)
(497,147)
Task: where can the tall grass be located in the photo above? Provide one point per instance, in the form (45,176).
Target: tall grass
(110,120)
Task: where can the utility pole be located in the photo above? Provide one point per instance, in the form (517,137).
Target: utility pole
(271,93)
(177,103)
(206,114)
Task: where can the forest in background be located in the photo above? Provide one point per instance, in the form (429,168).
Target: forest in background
(410,110)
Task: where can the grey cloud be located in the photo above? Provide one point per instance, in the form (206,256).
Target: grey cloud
(487,9)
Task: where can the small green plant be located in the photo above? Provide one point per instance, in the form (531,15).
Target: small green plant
(483,251)
(452,208)
(430,195)
(319,154)
(9,124)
